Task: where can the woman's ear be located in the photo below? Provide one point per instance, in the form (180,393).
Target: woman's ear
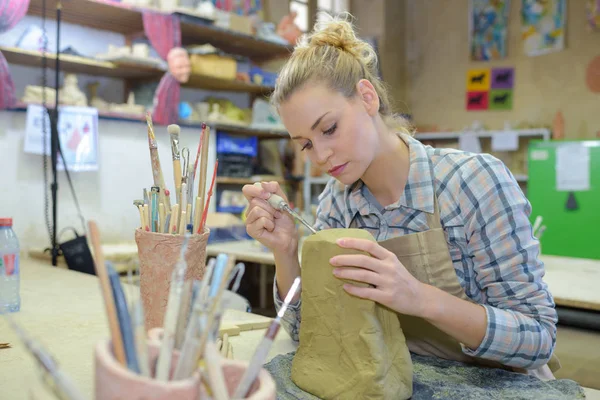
(368,96)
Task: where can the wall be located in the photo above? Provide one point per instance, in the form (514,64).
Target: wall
(105,195)
(438,60)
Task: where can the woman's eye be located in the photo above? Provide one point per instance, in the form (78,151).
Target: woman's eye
(330,130)
(307,145)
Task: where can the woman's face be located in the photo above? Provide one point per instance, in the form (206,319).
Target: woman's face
(338,134)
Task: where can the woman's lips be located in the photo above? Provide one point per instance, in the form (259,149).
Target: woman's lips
(338,169)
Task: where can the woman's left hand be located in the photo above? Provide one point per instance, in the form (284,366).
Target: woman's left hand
(391,284)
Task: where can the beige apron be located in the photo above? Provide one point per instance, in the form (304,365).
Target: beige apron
(426,256)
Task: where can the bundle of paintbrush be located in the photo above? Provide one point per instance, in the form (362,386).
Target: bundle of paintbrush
(189,212)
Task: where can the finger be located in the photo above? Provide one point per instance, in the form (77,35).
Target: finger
(273,187)
(368,293)
(252,191)
(263,205)
(259,226)
(356,260)
(358,275)
(371,247)
(256,213)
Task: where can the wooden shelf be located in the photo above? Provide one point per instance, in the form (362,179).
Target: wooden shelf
(245,181)
(230,41)
(126,19)
(107,16)
(247,131)
(212,83)
(80,65)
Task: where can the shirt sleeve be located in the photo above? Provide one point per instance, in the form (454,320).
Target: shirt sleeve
(327,217)
(521,317)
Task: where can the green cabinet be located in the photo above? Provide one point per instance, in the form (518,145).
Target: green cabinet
(568,200)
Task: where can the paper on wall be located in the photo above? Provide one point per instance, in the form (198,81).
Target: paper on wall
(468,141)
(572,167)
(505,141)
(78,133)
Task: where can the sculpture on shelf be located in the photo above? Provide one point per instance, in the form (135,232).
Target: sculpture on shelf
(70,94)
(288,30)
(214,115)
(95,101)
(128,108)
(33,94)
(179,64)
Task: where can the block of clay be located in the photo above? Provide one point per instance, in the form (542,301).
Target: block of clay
(350,348)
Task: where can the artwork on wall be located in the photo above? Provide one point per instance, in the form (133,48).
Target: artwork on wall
(490,88)
(543,26)
(592,11)
(488,21)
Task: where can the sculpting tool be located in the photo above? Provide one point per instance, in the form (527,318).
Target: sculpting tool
(278,203)
(174,131)
(157,173)
(173,308)
(263,348)
(63,384)
(154,190)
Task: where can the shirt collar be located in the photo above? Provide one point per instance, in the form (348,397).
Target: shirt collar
(418,193)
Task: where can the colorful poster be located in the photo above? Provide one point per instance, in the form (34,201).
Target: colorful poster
(78,134)
(490,88)
(543,26)
(488,21)
(592,10)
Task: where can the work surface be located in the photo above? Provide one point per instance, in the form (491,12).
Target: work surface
(572,281)
(64,311)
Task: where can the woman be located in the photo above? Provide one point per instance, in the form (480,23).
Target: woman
(475,292)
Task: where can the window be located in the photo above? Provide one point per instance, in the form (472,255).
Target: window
(304,19)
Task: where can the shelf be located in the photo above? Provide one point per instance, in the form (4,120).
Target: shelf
(545,133)
(107,16)
(319,180)
(246,181)
(211,83)
(80,65)
(126,19)
(230,41)
(89,66)
(248,131)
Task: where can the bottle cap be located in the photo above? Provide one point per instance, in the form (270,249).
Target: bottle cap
(6,222)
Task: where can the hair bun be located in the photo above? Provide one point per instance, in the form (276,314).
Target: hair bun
(339,32)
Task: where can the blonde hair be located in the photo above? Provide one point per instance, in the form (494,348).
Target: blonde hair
(334,55)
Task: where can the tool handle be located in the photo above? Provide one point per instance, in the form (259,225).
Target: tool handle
(276,201)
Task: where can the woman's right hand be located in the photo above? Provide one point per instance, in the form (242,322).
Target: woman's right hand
(273,228)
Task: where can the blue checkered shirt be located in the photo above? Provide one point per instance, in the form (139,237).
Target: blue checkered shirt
(485,217)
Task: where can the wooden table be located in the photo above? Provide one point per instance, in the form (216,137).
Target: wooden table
(63,310)
(573,281)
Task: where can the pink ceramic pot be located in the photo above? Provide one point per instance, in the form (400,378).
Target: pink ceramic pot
(158,254)
(114,381)
(262,389)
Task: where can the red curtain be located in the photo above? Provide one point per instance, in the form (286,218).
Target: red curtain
(11,12)
(164,33)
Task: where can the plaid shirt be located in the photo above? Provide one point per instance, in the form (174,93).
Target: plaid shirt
(485,217)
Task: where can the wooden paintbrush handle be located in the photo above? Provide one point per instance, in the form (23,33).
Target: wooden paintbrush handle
(109,301)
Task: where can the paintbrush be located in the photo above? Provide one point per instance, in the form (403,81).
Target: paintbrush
(264,346)
(206,206)
(62,383)
(202,178)
(174,131)
(157,173)
(109,301)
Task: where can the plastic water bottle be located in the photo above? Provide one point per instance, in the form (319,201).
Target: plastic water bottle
(10,299)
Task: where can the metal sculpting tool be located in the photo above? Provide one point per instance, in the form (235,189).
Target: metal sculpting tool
(278,203)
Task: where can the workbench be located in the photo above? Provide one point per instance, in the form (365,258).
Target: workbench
(572,281)
(64,311)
